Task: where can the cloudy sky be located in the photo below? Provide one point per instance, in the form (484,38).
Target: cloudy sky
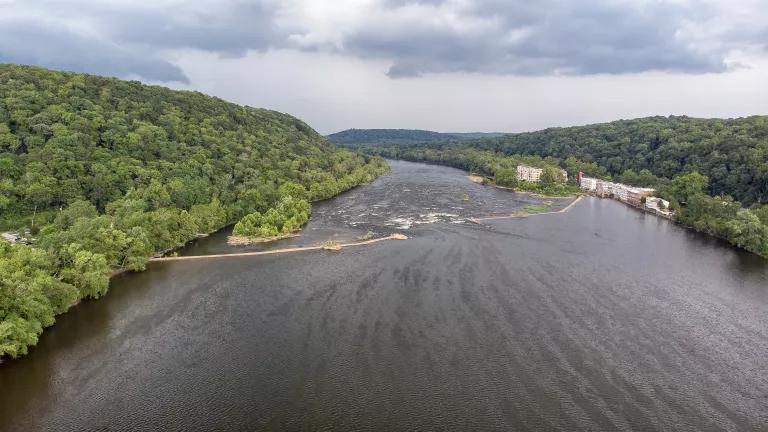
(448,65)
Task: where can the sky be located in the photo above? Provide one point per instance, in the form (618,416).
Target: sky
(445,65)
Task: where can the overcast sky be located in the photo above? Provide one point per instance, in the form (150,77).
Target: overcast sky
(447,65)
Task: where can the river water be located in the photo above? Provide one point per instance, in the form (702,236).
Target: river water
(600,318)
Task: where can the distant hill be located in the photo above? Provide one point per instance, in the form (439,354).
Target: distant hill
(733,153)
(352,137)
(103,173)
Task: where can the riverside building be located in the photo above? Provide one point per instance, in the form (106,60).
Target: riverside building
(533,174)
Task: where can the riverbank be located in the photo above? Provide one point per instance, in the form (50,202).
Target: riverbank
(416,328)
(488,182)
(87,272)
(523,214)
(245,241)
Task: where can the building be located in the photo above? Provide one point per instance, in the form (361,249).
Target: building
(529,173)
(588,183)
(657,205)
(533,174)
(629,194)
(604,188)
(624,193)
(635,195)
(621,192)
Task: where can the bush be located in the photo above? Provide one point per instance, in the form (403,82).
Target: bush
(288,217)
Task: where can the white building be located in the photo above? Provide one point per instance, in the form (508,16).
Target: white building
(588,183)
(657,204)
(626,193)
(621,191)
(529,173)
(533,174)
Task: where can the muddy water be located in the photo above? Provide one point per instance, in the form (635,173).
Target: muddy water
(601,318)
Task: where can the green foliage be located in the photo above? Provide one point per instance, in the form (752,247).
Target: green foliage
(77,210)
(723,217)
(114,172)
(288,217)
(732,153)
(502,168)
(355,137)
(536,208)
(590,169)
(209,217)
(669,154)
(506,177)
(686,186)
(86,270)
(30,296)
(551,176)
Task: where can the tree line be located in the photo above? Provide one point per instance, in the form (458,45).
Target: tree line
(354,137)
(732,153)
(103,174)
(498,168)
(706,204)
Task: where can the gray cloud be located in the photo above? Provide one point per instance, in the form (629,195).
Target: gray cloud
(548,37)
(31,43)
(227,27)
(506,37)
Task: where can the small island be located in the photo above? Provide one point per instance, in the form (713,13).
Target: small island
(282,221)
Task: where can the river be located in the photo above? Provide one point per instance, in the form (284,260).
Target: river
(599,318)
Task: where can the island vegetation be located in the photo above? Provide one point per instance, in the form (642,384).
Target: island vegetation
(714,172)
(99,174)
(287,217)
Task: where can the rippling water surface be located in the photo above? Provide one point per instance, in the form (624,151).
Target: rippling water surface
(601,318)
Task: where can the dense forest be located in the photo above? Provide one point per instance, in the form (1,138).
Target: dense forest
(732,153)
(498,168)
(399,136)
(714,172)
(99,174)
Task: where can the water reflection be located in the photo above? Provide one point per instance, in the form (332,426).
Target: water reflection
(602,318)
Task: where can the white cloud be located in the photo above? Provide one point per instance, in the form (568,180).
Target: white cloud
(333,92)
(485,64)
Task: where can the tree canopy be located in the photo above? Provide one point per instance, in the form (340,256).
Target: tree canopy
(353,137)
(732,153)
(105,173)
(703,167)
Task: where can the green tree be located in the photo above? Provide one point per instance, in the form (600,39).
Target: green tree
(87,271)
(506,177)
(551,176)
(683,187)
(113,172)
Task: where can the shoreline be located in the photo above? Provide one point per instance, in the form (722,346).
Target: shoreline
(246,241)
(523,214)
(160,255)
(479,180)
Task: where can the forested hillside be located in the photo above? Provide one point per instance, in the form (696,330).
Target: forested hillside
(710,170)
(733,153)
(355,137)
(104,173)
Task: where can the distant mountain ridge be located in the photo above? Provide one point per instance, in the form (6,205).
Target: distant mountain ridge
(731,152)
(351,137)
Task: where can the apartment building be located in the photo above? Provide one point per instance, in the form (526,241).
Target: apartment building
(533,174)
